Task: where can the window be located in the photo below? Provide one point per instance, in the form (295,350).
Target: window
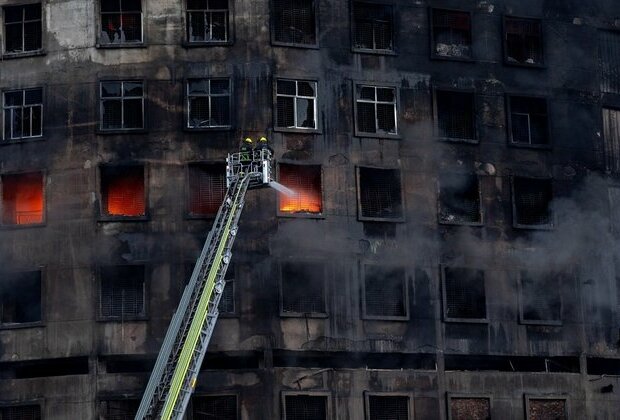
(23,199)
(122,191)
(305,407)
(611,138)
(122,105)
(609,61)
(296,104)
(20,298)
(373,27)
(305,180)
(464,294)
(451,34)
(532,203)
(208,103)
(455,115)
(459,199)
(523,41)
(540,298)
(379,194)
(22,28)
(303,288)
(121,22)
(468,407)
(122,293)
(23,113)
(387,407)
(207,21)
(219,407)
(21,412)
(207,188)
(294,22)
(528,122)
(385,294)
(375,110)
(544,408)
(118,409)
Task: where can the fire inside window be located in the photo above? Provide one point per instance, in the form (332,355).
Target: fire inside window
(373,27)
(122,293)
(220,407)
(22,199)
(380,194)
(532,202)
(459,199)
(540,297)
(528,120)
(305,407)
(609,61)
(121,21)
(465,296)
(384,292)
(611,138)
(207,187)
(465,408)
(122,191)
(118,409)
(544,409)
(207,20)
(23,113)
(455,114)
(376,109)
(22,28)
(122,105)
(21,412)
(294,21)
(303,288)
(208,103)
(295,104)
(523,41)
(384,407)
(305,180)
(451,34)
(20,298)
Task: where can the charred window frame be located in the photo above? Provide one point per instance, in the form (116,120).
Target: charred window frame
(294,23)
(312,405)
(523,41)
(118,408)
(208,22)
(303,289)
(123,293)
(469,406)
(460,200)
(609,61)
(464,295)
(540,301)
(206,188)
(387,405)
(307,182)
(385,294)
(376,110)
(528,121)
(24,199)
(123,192)
(208,103)
(121,23)
(542,407)
(455,115)
(122,106)
(451,34)
(611,139)
(30,410)
(379,195)
(373,27)
(296,105)
(214,406)
(21,299)
(22,114)
(531,203)
(23,30)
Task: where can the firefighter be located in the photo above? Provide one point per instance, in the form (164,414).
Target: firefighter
(245,151)
(263,144)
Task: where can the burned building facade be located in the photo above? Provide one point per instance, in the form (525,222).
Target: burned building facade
(452,252)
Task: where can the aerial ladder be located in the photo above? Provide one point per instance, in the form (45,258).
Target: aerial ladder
(175,373)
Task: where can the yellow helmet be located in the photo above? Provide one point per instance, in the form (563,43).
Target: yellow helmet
(263,139)
(247,140)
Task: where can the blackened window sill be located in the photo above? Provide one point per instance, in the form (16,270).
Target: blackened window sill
(19,227)
(123,132)
(530,146)
(533,227)
(206,44)
(457,140)
(378,135)
(297,130)
(471,224)
(123,45)
(141,318)
(123,219)
(303,315)
(22,140)
(452,58)
(391,53)
(466,320)
(403,318)
(206,129)
(293,45)
(525,65)
(21,326)
(25,54)
(301,215)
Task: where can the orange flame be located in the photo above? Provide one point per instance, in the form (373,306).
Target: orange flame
(22,196)
(125,195)
(306,182)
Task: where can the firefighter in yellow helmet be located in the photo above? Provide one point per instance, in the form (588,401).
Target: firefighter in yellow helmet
(263,144)
(245,151)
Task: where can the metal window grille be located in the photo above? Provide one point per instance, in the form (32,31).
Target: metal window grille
(303,288)
(305,180)
(609,61)
(384,291)
(22,199)
(214,407)
(23,113)
(294,21)
(532,201)
(459,199)
(208,103)
(372,26)
(380,194)
(20,298)
(207,187)
(20,412)
(227,301)
(470,408)
(546,409)
(523,41)
(296,104)
(451,33)
(207,20)
(22,28)
(125,409)
(376,109)
(121,21)
(611,138)
(528,120)
(122,292)
(305,407)
(465,293)
(389,407)
(122,191)
(455,114)
(122,105)
(540,294)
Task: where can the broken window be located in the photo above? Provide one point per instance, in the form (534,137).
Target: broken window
(207,188)
(22,28)
(23,113)
(216,407)
(528,121)
(451,34)
(459,199)
(294,22)
(22,199)
(388,407)
(546,409)
(469,408)
(122,293)
(208,103)
(385,292)
(464,294)
(376,110)
(379,194)
(455,116)
(207,21)
(295,104)
(21,412)
(523,41)
(373,26)
(609,61)
(122,191)
(305,407)
(122,105)
(305,180)
(532,202)
(611,139)
(540,298)
(121,22)
(303,288)
(20,298)
(118,409)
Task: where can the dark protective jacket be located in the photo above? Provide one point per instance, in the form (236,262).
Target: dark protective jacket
(245,153)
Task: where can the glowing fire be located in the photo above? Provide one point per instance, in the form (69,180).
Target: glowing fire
(124,194)
(22,196)
(306,182)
